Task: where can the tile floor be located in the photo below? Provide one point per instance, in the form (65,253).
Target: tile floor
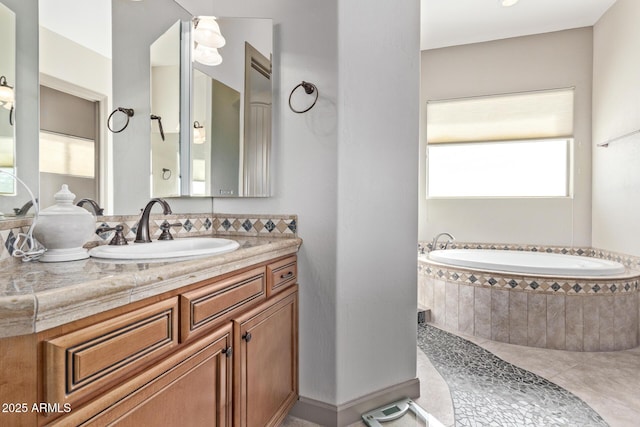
(609,382)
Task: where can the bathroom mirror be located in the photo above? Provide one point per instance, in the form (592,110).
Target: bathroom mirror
(55,73)
(74,100)
(8,185)
(165,113)
(225,151)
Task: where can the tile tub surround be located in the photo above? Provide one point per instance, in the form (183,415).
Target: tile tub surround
(588,314)
(37,296)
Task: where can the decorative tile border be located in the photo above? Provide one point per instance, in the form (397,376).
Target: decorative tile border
(423,247)
(255,225)
(515,282)
(191,224)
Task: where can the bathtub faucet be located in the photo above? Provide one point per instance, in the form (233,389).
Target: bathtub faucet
(434,243)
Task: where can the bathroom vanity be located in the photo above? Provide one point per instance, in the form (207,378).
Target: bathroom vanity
(206,341)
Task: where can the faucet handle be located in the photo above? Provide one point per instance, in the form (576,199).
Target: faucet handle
(166,230)
(118,238)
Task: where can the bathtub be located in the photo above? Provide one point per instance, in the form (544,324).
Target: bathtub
(527,262)
(535,299)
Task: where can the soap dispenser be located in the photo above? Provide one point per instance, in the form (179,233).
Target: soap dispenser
(63,228)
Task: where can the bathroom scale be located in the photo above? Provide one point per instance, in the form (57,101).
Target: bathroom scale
(402,413)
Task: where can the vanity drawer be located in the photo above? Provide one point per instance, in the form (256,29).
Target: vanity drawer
(281,274)
(79,363)
(215,303)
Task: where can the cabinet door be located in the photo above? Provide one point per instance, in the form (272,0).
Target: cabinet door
(191,388)
(266,361)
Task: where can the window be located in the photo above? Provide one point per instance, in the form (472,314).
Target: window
(516,145)
(67,155)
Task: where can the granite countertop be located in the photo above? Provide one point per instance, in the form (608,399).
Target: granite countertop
(37,296)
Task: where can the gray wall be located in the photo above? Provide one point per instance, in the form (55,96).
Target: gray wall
(545,61)
(347,168)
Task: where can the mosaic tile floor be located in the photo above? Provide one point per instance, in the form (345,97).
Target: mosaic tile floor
(488,391)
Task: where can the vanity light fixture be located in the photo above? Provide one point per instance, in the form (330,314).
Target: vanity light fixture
(207,55)
(206,32)
(207,39)
(508,3)
(199,133)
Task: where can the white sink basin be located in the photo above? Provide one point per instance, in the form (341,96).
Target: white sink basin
(162,249)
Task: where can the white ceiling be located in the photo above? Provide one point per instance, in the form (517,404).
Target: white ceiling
(455,22)
(443,22)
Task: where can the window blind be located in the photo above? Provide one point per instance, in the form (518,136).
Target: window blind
(516,116)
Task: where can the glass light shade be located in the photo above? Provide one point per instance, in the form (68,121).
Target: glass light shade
(207,55)
(507,3)
(207,32)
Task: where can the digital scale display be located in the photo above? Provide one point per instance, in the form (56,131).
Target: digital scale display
(390,411)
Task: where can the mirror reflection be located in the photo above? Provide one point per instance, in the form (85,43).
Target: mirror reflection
(226,151)
(74,99)
(165,113)
(7,122)
(64,39)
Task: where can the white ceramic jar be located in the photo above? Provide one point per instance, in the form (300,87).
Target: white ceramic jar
(63,228)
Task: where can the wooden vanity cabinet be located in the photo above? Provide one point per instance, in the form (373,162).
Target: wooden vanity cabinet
(266,361)
(222,352)
(190,388)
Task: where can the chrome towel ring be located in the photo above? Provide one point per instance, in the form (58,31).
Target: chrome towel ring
(309,88)
(127,111)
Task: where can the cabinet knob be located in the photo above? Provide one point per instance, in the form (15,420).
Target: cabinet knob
(247,336)
(228,351)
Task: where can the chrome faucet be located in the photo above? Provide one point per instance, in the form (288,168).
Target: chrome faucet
(142,234)
(94,205)
(434,243)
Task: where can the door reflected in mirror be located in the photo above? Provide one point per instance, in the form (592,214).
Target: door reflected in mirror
(165,113)
(215,149)
(257,123)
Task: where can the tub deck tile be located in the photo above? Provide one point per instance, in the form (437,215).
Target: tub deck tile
(607,331)
(591,334)
(536,320)
(466,309)
(556,330)
(574,323)
(518,318)
(500,315)
(482,324)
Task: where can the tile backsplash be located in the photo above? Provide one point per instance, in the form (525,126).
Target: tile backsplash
(192,224)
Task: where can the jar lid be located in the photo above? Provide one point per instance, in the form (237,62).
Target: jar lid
(64,204)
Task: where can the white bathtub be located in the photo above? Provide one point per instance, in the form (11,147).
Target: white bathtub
(534,263)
